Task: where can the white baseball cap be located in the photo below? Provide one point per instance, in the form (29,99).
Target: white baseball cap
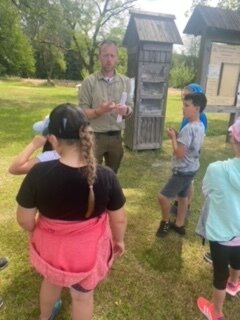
(41,126)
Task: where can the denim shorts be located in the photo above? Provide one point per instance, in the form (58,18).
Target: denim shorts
(178,184)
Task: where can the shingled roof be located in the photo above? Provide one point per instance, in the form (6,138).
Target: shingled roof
(152,27)
(204,17)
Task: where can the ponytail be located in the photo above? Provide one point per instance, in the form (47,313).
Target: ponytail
(86,145)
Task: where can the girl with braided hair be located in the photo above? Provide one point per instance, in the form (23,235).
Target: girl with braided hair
(73,210)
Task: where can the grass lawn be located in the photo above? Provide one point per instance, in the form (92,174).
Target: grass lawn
(156,279)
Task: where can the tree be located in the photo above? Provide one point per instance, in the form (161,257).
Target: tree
(182,71)
(195,3)
(77,26)
(229,4)
(16,55)
(89,22)
(44,25)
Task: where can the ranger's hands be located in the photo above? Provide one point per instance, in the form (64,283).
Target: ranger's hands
(121,109)
(105,107)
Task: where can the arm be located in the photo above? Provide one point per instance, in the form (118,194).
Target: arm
(118,224)
(179,149)
(26,218)
(22,163)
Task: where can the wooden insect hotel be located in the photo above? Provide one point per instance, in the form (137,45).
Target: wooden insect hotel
(149,39)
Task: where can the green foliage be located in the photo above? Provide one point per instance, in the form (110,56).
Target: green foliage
(183,70)
(73,66)
(198,2)
(99,20)
(47,30)
(122,61)
(229,4)
(181,75)
(156,279)
(192,47)
(53,62)
(62,26)
(16,54)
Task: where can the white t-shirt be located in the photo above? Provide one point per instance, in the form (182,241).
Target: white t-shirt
(48,156)
(191,136)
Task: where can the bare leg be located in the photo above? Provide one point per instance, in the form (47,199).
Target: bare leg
(82,305)
(234,276)
(190,193)
(49,294)
(165,205)
(218,300)
(182,211)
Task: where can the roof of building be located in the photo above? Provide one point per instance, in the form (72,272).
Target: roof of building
(152,27)
(204,17)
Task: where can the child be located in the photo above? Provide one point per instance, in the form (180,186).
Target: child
(220,224)
(190,88)
(24,161)
(185,163)
(74,212)
(3,265)
(194,88)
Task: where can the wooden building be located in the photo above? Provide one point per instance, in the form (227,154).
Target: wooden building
(149,39)
(219,61)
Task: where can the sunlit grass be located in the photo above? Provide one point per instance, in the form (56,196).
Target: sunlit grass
(156,279)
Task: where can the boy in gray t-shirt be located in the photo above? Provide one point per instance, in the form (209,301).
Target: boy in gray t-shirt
(185,163)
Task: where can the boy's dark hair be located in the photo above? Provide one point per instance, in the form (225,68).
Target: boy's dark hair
(198,100)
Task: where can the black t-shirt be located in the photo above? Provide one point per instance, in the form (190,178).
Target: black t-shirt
(61,192)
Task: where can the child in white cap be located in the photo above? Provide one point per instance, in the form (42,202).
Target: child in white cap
(25,160)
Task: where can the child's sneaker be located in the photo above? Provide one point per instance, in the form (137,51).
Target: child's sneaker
(163,229)
(233,289)
(56,310)
(180,230)
(206,307)
(3,263)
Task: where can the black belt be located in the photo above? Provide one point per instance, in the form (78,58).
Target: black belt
(109,133)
